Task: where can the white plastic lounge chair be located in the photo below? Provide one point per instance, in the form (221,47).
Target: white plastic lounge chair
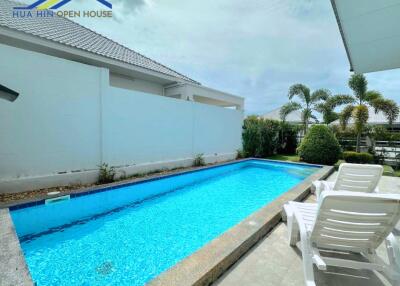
(349,222)
(353,177)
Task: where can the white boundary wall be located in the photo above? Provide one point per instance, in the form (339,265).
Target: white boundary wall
(68,120)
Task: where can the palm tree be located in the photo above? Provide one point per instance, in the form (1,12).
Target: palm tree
(308,100)
(389,108)
(330,103)
(363,97)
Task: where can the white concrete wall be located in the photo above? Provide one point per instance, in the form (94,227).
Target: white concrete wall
(135,84)
(68,120)
(54,124)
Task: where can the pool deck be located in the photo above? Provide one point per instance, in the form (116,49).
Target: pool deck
(272,262)
(13,269)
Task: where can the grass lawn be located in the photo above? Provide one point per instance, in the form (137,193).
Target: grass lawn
(282,157)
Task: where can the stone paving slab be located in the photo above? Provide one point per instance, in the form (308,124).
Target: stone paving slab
(272,262)
(13,269)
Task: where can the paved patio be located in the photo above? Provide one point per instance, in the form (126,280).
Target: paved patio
(273,262)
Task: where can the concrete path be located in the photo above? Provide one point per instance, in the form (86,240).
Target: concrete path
(272,262)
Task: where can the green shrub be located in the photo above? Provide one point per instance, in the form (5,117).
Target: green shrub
(265,137)
(380,133)
(319,146)
(288,138)
(240,154)
(358,158)
(198,160)
(269,137)
(251,136)
(106,174)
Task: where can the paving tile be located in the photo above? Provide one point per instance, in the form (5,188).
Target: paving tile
(273,262)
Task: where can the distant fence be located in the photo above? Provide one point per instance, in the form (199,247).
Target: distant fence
(387,151)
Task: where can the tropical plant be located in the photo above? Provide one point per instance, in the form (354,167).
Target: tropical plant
(330,103)
(319,146)
(106,174)
(389,108)
(240,154)
(307,99)
(251,135)
(359,112)
(265,137)
(199,161)
(288,138)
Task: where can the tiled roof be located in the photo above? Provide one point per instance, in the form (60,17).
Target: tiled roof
(69,33)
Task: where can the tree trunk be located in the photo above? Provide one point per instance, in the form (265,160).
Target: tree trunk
(358,142)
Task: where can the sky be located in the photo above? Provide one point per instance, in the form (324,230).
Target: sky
(255,49)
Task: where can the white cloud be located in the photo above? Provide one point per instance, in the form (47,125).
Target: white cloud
(254,48)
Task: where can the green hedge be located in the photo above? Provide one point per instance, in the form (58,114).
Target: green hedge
(319,146)
(358,158)
(264,137)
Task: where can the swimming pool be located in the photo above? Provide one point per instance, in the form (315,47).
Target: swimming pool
(131,234)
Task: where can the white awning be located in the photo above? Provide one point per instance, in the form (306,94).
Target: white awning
(371,33)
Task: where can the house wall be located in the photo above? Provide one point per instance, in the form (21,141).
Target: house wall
(68,120)
(135,84)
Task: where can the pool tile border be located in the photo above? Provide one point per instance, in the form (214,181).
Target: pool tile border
(108,187)
(207,264)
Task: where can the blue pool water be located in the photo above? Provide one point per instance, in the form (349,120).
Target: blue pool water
(129,235)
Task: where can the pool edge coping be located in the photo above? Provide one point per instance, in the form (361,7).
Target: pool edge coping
(207,264)
(11,254)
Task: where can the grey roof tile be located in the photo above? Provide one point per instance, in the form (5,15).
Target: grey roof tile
(69,33)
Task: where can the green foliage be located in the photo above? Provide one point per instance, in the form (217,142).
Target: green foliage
(240,154)
(269,137)
(308,101)
(360,115)
(389,108)
(264,137)
(288,138)
(328,105)
(358,83)
(251,136)
(106,174)
(319,146)
(199,160)
(358,158)
(380,133)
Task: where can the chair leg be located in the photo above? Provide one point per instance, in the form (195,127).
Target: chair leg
(308,268)
(293,228)
(393,252)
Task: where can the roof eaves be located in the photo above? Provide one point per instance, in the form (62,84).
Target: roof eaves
(48,41)
(182,75)
(342,34)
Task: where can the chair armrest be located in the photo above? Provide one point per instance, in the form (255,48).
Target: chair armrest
(316,186)
(323,186)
